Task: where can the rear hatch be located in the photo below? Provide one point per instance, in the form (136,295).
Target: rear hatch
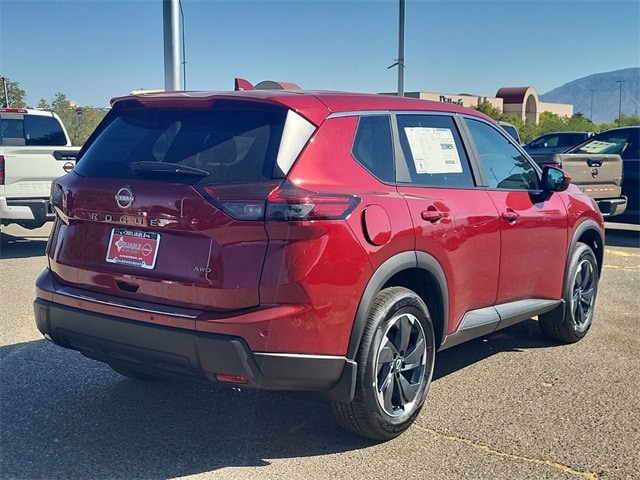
(167,201)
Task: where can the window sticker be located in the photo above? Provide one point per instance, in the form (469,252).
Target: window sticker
(434,150)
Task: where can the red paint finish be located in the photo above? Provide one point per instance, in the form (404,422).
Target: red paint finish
(284,262)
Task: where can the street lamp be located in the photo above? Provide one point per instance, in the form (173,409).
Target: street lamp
(591,116)
(400,60)
(620,103)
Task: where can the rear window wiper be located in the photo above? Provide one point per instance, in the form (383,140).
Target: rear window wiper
(151,167)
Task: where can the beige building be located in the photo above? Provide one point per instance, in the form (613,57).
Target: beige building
(520,102)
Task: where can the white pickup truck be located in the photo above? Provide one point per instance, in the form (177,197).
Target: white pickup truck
(34,149)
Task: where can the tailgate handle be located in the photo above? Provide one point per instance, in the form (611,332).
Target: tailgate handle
(65,155)
(594,162)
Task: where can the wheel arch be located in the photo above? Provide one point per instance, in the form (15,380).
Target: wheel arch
(589,232)
(417,271)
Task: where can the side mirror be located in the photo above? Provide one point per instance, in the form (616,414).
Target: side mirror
(555,179)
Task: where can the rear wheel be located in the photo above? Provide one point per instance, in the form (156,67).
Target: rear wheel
(395,366)
(571,322)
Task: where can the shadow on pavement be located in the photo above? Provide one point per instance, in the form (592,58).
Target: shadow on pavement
(16,246)
(65,416)
(617,236)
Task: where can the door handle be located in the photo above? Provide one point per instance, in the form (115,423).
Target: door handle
(431,214)
(510,216)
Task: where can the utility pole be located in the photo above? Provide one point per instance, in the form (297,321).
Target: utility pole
(6,93)
(170,16)
(401,50)
(620,103)
(400,60)
(591,116)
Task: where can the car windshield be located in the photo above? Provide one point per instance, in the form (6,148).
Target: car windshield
(229,143)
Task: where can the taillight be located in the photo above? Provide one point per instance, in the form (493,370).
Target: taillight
(1,170)
(295,204)
(271,202)
(58,199)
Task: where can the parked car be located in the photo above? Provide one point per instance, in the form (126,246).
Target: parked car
(510,129)
(624,141)
(34,150)
(330,242)
(556,142)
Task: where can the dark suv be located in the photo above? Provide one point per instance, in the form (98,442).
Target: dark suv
(310,241)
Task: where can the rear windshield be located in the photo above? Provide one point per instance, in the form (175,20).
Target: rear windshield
(611,142)
(232,142)
(31,130)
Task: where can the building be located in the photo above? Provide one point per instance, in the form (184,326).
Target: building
(519,102)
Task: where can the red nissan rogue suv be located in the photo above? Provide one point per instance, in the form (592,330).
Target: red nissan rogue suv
(310,241)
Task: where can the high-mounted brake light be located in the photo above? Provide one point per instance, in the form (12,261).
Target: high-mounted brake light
(13,110)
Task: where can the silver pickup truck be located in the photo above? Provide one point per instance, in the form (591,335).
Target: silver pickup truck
(34,150)
(606,168)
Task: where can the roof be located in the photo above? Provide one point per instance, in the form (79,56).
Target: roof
(514,94)
(314,105)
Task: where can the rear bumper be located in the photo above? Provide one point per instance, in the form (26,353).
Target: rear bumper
(612,206)
(178,353)
(35,209)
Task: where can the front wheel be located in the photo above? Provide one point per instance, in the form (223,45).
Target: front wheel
(395,366)
(571,322)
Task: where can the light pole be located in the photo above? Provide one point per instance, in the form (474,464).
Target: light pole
(620,103)
(591,116)
(400,60)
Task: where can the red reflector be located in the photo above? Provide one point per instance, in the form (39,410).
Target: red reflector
(223,377)
(1,170)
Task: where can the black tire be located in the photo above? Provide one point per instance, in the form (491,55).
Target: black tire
(570,322)
(133,373)
(395,366)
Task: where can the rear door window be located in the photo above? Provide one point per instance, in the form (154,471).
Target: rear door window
(433,150)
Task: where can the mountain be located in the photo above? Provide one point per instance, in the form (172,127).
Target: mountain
(605,91)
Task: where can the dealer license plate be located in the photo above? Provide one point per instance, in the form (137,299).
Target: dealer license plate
(134,248)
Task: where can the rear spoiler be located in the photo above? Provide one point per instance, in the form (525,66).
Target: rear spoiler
(242,84)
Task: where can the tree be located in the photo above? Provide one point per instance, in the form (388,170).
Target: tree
(14,92)
(488,109)
(79,122)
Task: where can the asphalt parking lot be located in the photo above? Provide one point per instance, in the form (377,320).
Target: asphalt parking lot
(511,405)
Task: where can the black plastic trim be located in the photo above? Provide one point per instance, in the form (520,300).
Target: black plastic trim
(178,353)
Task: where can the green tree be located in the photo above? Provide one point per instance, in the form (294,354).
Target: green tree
(14,93)
(79,122)
(488,109)
(628,120)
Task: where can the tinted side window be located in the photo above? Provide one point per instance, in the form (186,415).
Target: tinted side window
(503,163)
(434,151)
(39,130)
(373,148)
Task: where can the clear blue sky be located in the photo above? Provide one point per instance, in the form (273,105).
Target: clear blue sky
(93,50)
